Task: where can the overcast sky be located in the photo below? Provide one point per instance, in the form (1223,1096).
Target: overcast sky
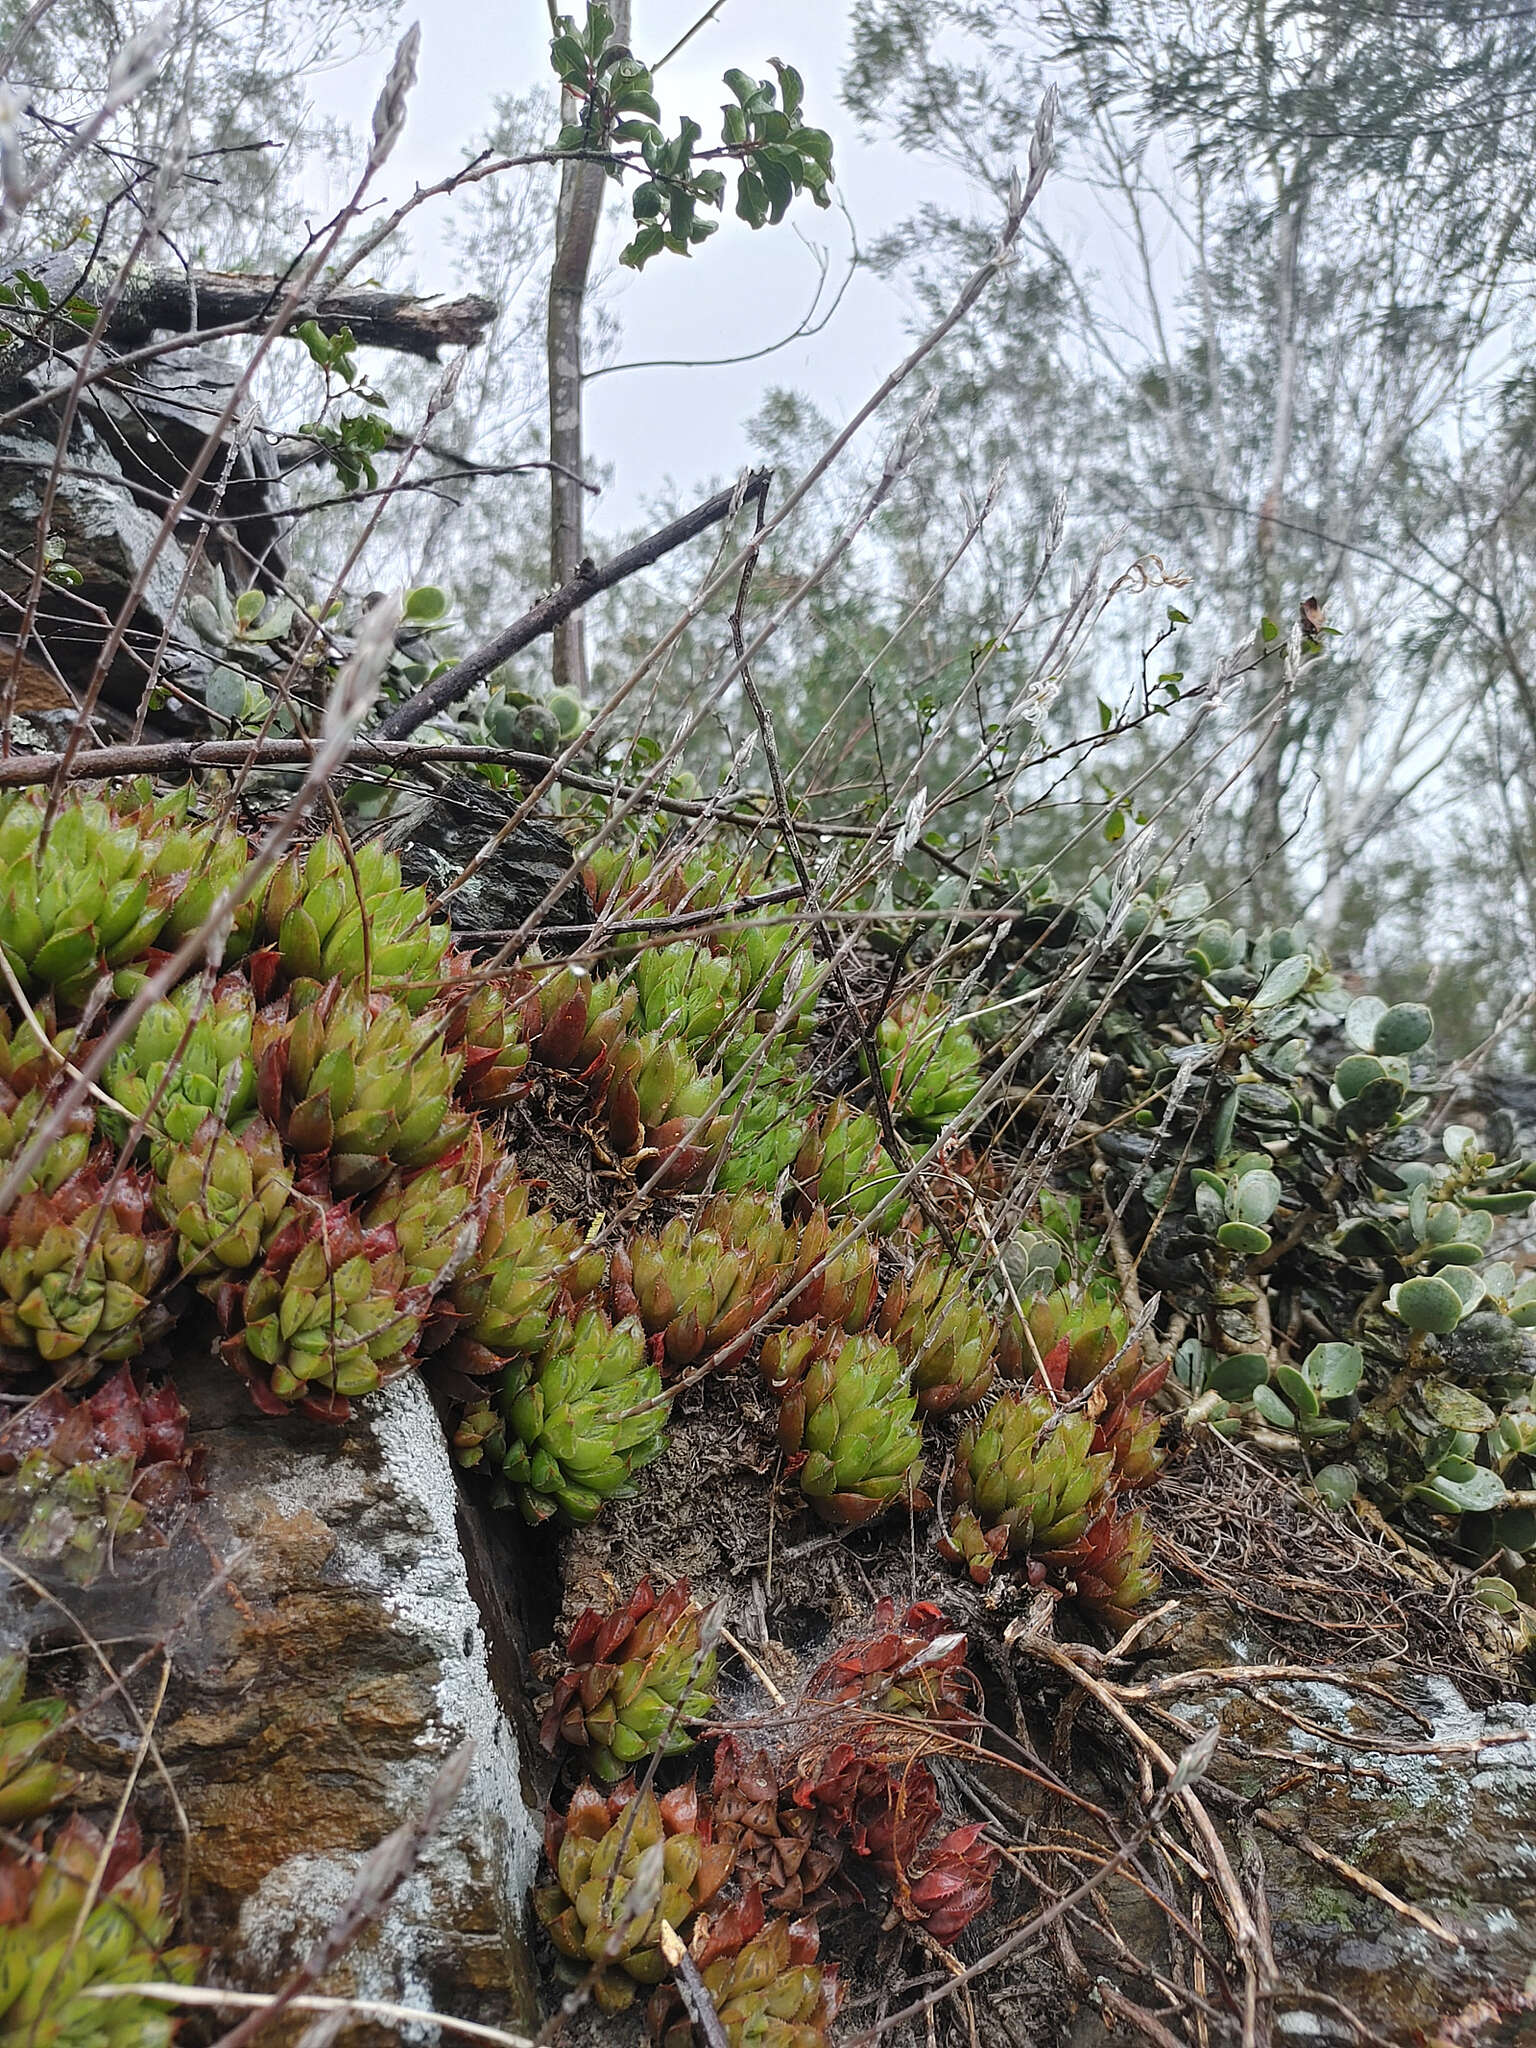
(742,289)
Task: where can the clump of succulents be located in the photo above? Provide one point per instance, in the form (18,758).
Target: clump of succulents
(344,912)
(684,991)
(847,1420)
(78,1273)
(912,1664)
(929,1064)
(954,1884)
(836,1277)
(1109,1570)
(1026,1483)
(574,1023)
(86,1484)
(225,1195)
(944,1334)
(700,1286)
(439,1213)
(30,1780)
(601,1850)
(204,858)
(488,1028)
(664,1112)
(763,1979)
(632,1682)
(76,1917)
(569,1429)
(86,898)
(526,1268)
(189,1059)
(359,1079)
(328,1315)
(843,1165)
(768,1113)
(32,1073)
(1083,1341)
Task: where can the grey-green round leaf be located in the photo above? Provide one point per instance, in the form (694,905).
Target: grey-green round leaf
(1238,1377)
(1361,1019)
(1334,1369)
(1287,978)
(1268,1404)
(1298,1390)
(1427,1303)
(1356,1072)
(1256,1196)
(1468,1284)
(425,604)
(224,693)
(1405,1028)
(1338,1484)
(1245,1238)
(1479,1495)
(1497,1594)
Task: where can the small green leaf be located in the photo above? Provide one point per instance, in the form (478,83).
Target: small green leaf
(1455,1407)
(1334,1369)
(1337,1484)
(1283,981)
(1244,1238)
(1298,1391)
(1480,1495)
(426,604)
(1237,1378)
(1428,1303)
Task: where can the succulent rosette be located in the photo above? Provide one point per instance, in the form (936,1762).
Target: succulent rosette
(85,1485)
(513,1287)
(843,1165)
(78,1273)
(943,1332)
(684,991)
(836,1277)
(632,1682)
(360,1079)
(85,899)
(328,1315)
(337,911)
(569,1429)
(847,1420)
(1026,1482)
(596,1849)
(225,1196)
(663,1111)
(763,1979)
(189,1059)
(929,1065)
(84,1916)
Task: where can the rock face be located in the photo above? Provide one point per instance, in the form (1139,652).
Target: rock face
(315,1694)
(125,462)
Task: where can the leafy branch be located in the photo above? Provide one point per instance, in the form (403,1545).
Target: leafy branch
(619,121)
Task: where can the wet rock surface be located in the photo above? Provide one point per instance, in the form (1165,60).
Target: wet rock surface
(327,1658)
(1432,1799)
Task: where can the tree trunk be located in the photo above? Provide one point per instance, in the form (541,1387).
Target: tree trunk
(576,221)
(1266,829)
